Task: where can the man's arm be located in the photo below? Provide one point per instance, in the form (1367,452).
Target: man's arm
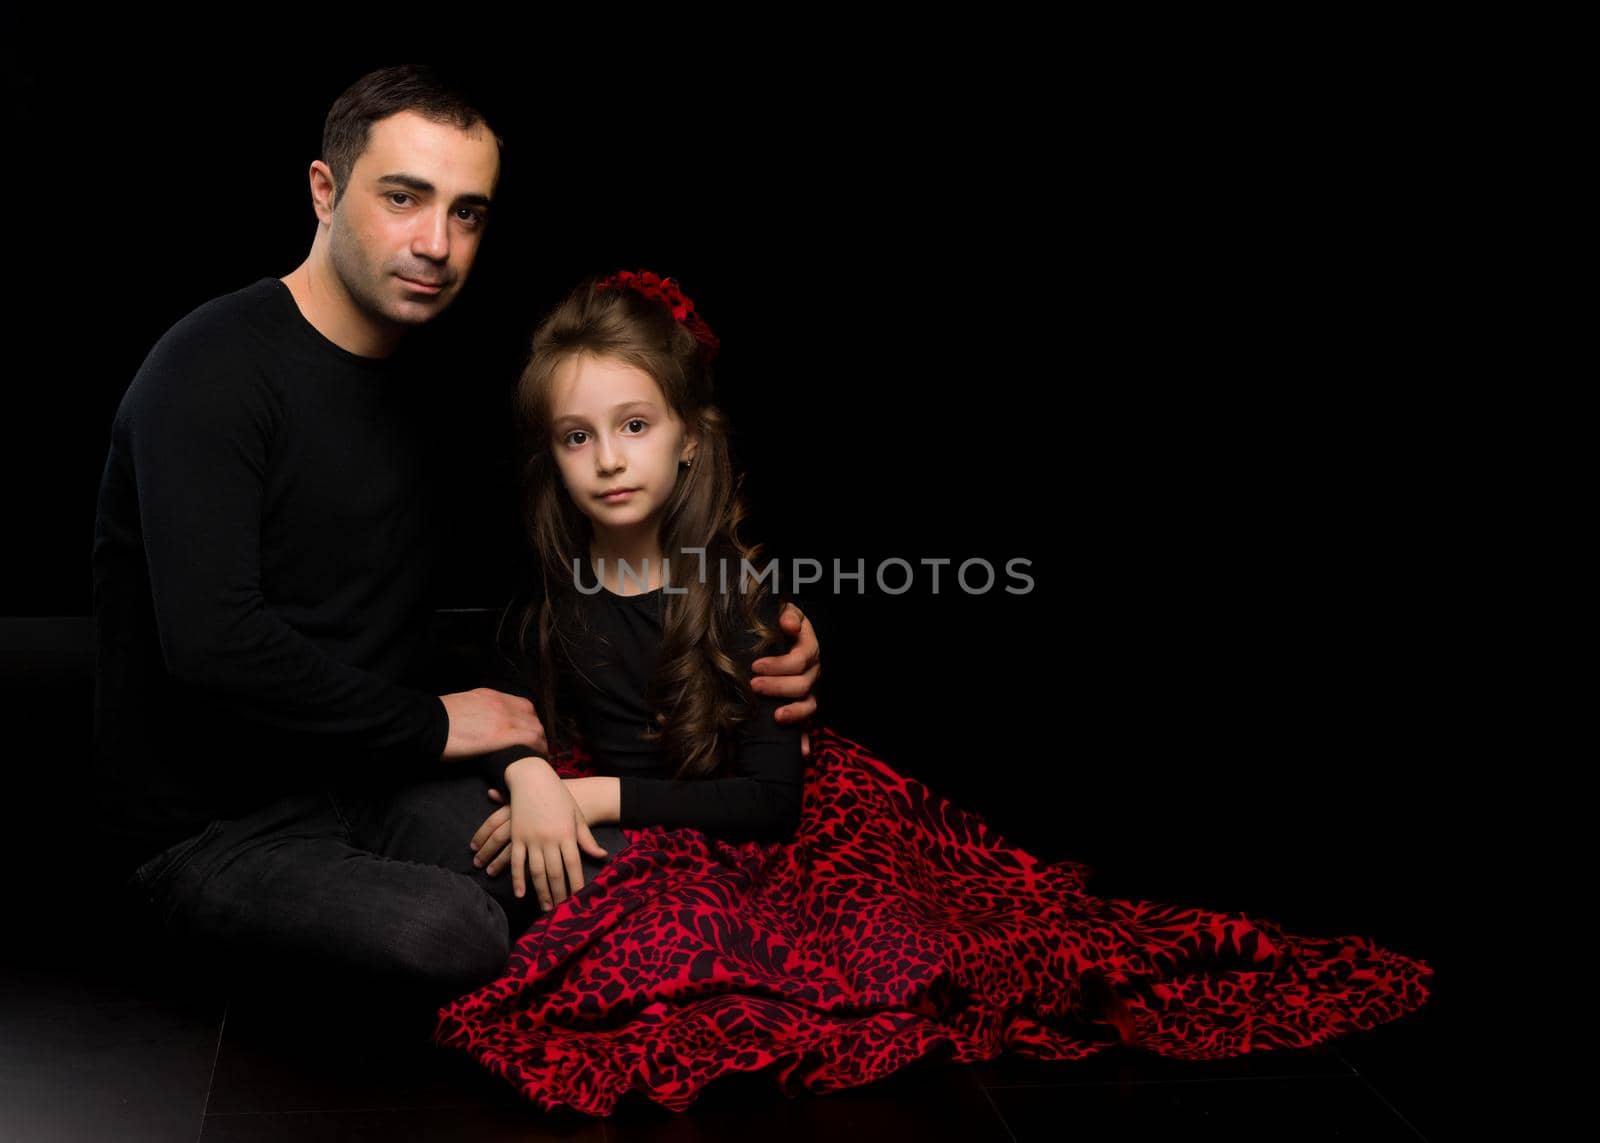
(512,677)
(199,434)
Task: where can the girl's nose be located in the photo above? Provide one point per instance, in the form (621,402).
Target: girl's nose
(607,458)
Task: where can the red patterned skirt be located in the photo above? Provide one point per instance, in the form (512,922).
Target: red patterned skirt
(894,924)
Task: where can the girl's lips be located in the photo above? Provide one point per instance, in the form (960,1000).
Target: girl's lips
(618,494)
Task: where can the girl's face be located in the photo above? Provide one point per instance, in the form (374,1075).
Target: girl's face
(612,431)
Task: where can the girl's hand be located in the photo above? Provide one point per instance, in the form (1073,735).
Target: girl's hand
(491,838)
(547,826)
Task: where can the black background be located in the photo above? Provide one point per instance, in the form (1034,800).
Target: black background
(1174,356)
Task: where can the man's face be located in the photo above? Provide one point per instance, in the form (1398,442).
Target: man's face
(406,229)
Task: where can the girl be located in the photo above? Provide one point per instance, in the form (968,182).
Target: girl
(628,462)
(834,918)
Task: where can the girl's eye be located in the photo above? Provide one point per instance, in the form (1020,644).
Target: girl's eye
(574,433)
(636,421)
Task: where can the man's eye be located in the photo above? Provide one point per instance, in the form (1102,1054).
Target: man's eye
(397,194)
(472,216)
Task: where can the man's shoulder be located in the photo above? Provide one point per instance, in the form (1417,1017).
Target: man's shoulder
(218,323)
(213,351)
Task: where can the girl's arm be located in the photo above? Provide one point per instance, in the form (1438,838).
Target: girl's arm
(599,797)
(761,798)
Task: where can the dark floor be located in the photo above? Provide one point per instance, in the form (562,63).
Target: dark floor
(144,1045)
(102,1037)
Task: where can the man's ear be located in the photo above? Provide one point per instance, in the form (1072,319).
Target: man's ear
(323,190)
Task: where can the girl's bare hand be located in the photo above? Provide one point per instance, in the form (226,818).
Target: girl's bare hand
(547,827)
(492,836)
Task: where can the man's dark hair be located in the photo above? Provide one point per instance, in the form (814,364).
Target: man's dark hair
(385,92)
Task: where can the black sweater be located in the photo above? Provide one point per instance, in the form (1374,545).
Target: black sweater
(262,561)
(603,684)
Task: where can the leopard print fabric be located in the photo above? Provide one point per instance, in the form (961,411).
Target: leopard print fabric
(892,926)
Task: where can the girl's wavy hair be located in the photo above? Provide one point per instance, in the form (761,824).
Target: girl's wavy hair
(699,690)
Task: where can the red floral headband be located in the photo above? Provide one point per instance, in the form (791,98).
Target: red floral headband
(665,291)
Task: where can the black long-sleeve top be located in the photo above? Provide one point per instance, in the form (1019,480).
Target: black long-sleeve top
(605,682)
(262,562)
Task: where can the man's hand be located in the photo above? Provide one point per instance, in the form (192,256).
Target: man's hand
(793,675)
(482,720)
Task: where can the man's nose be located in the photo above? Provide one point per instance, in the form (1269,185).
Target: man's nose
(431,238)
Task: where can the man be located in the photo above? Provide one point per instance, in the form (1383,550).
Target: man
(262,559)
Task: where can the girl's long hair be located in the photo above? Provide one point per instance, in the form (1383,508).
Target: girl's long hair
(699,690)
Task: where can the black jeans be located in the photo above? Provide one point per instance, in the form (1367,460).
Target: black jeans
(380,884)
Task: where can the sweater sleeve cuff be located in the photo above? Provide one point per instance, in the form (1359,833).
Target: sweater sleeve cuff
(436,730)
(493,765)
(627,813)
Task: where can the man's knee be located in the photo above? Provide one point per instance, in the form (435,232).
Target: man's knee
(434,929)
(428,822)
(458,940)
(440,798)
